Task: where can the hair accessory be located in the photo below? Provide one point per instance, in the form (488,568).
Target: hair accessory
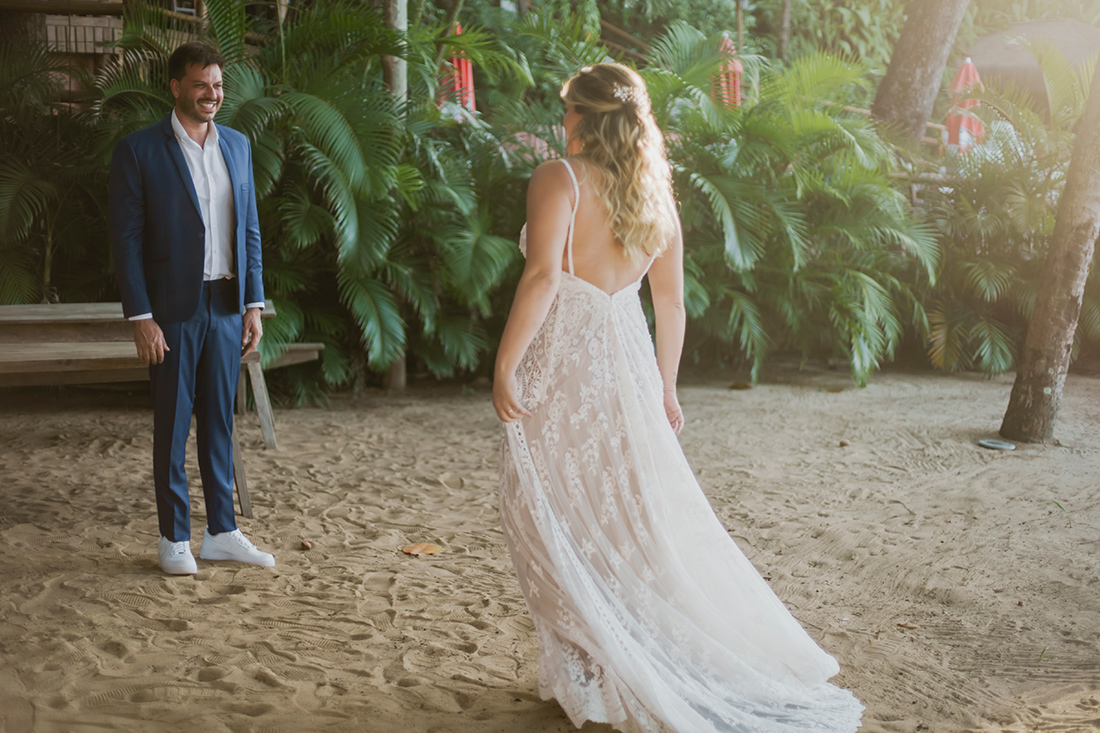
(628,94)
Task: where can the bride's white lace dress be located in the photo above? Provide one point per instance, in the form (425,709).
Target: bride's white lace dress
(647,614)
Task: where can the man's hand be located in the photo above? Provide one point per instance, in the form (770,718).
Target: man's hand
(149,340)
(251,331)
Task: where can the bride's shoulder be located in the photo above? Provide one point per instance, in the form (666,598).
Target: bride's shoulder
(551,178)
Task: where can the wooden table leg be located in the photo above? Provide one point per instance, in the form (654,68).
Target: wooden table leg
(238,477)
(242,396)
(263,404)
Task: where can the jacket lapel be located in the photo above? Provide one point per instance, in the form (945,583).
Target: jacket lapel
(181,164)
(230,165)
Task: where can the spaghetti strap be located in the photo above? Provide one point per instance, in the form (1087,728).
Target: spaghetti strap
(573,217)
(652,259)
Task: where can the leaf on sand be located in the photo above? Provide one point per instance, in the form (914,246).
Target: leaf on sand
(422,548)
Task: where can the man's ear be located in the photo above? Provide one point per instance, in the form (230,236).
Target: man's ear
(174,85)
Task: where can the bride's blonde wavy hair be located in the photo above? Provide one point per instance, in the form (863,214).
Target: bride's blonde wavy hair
(618,136)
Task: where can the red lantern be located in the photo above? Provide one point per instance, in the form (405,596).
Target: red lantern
(463,83)
(964,130)
(726,85)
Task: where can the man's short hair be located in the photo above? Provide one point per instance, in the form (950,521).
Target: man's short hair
(193,52)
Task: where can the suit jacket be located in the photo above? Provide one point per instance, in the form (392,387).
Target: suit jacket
(157,230)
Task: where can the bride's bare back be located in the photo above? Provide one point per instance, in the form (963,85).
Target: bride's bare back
(598,257)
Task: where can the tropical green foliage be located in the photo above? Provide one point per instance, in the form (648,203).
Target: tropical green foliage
(649,20)
(389,228)
(864,29)
(796,237)
(377,240)
(996,207)
(51,222)
(992,16)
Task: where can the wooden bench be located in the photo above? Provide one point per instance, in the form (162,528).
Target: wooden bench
(291,354)
(89,343)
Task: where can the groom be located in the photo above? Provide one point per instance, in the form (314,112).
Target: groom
(186,241)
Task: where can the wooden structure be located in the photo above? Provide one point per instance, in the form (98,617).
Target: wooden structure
(89,343)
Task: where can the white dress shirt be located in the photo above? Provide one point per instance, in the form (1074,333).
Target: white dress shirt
(214,189)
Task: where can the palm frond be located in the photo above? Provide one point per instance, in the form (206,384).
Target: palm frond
(378,315)
(248,108)
(487,53)
(18,281)
(326,129)
(1088,323)
(994,346)
(475,259)
(949,329)
(987,279)
(338,195)
(815,77)
(456,341)
(230,24)
(738,257)
(746,321)
(304,222)
(24,197)
(696,295)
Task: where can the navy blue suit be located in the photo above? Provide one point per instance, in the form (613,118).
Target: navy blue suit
(157,238)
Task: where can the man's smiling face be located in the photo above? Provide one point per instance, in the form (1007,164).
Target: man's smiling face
(199,93)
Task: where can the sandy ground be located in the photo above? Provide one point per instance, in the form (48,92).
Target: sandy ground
(958,587)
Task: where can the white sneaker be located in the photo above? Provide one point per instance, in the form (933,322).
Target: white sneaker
(233,546)
(176,557)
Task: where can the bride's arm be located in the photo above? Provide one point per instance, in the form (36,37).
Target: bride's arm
(549,209)
(666,283)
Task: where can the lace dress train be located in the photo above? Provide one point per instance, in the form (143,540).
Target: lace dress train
(647,614)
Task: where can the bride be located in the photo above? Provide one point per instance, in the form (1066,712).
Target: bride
(647,614)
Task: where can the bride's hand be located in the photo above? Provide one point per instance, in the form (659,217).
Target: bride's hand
(506,399)
(673,412)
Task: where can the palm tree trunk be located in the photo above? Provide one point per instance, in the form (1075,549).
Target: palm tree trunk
(395,70)
(740,26)
(1037,392)
(784,31)
(908,91)
(448,23)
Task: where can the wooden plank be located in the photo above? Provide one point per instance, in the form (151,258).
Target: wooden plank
(263,405)
(68,357)
(242,396)
(76,7)
(77,313)
(297,354)
(239,478)
(36,333)
(106,355)
(60,313)
(88,21)
(42,379)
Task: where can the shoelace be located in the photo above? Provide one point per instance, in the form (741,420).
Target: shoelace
(178,548)
(241,540)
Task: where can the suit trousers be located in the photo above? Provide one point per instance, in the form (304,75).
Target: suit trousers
(198,376)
